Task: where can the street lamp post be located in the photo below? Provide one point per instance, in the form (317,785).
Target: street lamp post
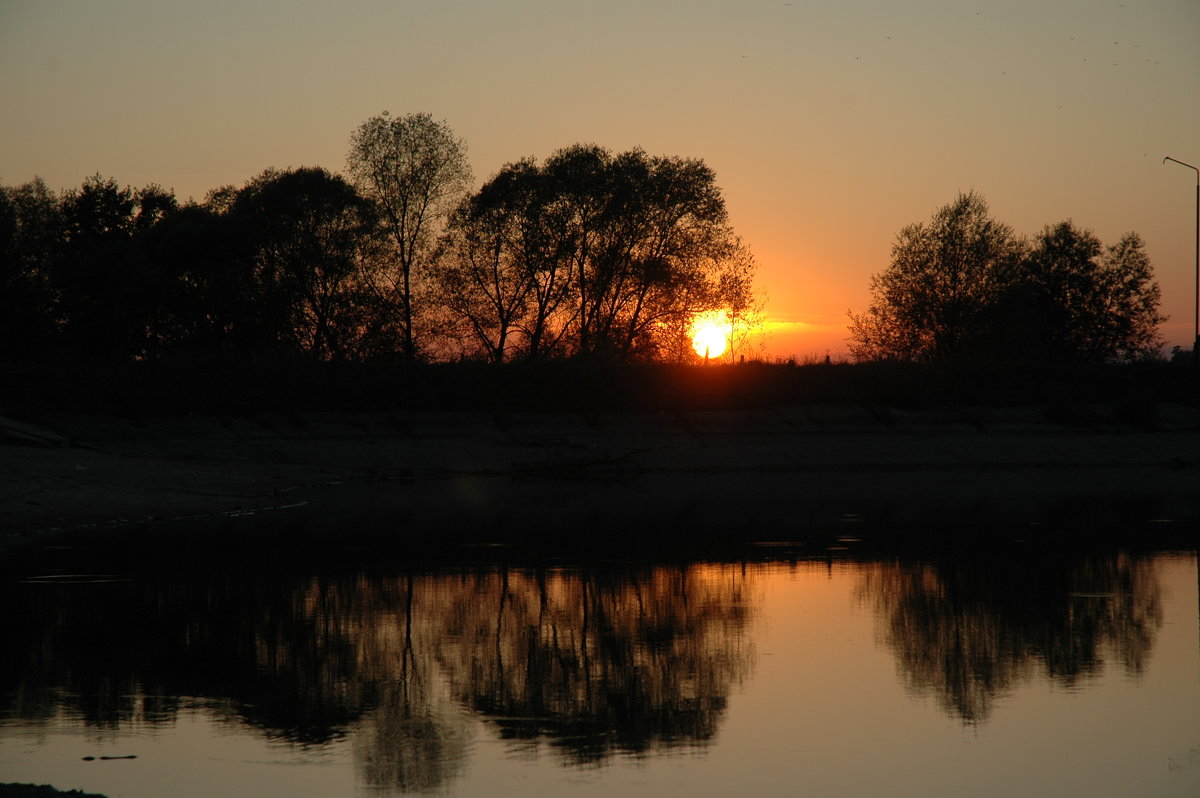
(1196,295)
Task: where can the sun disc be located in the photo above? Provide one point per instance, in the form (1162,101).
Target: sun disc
(709,337)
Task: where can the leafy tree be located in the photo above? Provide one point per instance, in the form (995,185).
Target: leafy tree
(1130,296)
(964,286)
(1050,308)
(31,239)
(206,261)
(1085,303)
(590,252)
(13,277)
(650,231)
(593,253)
(99,211)
(8,231)
(106,288)
(669,251)
(936,299)
(154,203)
(722,289)
(310,236)
(483,280)
(506,266)
(416,172)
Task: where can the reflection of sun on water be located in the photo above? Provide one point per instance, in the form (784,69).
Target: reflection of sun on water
(710,334)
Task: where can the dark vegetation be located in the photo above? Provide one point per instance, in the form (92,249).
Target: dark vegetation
(965,286)
(589,254)
(1071,394)
(565,284)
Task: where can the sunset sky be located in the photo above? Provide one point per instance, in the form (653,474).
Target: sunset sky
(830,125)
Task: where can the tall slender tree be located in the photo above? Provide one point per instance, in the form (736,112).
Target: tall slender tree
(416,171)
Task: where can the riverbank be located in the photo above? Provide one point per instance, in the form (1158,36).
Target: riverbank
(767,469)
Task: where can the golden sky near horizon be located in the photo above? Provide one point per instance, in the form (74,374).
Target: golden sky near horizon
(830,125)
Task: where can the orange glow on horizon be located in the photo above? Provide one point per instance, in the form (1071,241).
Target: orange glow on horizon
(803,340)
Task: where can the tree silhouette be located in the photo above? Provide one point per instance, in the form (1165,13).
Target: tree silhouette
(964,286)
(1128,330)
(107,290)
(935,300)
(1080,302)
(311,238)
(588,253)
(416,172)
(648,228)
(490,267)
(209,305)
(746,310)
(30,250)
(592,253)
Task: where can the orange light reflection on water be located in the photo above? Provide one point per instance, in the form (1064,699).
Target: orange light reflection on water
(1039,675)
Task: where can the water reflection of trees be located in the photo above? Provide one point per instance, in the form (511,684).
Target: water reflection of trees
(968,631)
(631,659)
(595,663)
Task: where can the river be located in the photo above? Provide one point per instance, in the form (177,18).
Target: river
(781,668)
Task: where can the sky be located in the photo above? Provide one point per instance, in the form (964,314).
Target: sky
(830,125)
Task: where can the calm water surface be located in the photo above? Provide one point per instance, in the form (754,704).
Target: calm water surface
(1014,673)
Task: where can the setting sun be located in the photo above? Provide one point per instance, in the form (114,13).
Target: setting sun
(710,334)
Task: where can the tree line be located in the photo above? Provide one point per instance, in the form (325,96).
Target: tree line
(588,252)
(965,286)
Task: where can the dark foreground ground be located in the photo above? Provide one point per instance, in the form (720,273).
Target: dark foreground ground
(676,454)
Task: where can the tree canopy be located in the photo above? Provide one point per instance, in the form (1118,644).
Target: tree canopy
(591,253)
(415,170)
(587,253)
(309,251)
(965,286)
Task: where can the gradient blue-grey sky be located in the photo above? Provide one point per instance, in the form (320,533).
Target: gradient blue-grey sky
(830,124)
